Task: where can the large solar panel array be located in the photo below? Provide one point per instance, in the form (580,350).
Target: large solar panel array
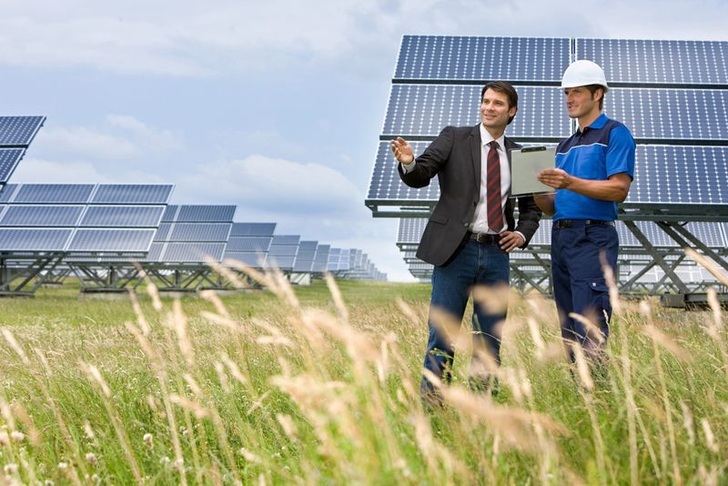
(16,134)
(192,234)
(76,220)
(672,94)
(249,243)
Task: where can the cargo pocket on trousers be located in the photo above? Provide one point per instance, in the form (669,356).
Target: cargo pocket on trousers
(600,297)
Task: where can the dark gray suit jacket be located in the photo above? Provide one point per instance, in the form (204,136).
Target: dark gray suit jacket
(454,157)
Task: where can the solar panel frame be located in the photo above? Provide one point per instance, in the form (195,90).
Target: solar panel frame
(658,62)
(19,131)
(27,240)
(132,194)
(122,216)
(105,240)
(478,59)
(423,110)
(9,160)
(53,193)
(43,216)
(206,213)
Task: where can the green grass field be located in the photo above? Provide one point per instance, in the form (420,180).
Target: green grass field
(319,385)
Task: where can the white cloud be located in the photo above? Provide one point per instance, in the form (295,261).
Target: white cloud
(86,142)
(32,170)
(274,185)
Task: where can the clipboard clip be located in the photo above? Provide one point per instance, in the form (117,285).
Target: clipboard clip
(533,149)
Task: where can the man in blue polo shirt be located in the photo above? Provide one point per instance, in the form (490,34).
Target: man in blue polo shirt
(593,173)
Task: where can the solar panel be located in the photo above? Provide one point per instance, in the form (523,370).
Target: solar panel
(482,58)
(7,191)
(170,214)
(53,193)
(132,194)
(671,62)
(19,131)
(22,240)
(305,256)
(136,216)
(253,229)
(283,250)
(680,175)
(206,214)
(255,260)
(111,240)
(193,252)
(422,110)
(45,216)
(663,114)
(386,184)
(9,159)
(182,232)
(249,244)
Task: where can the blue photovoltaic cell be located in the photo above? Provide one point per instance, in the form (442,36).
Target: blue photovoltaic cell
(155,252)
(386,184)
(136,216)
(53,193)
(46,216)
(253,229)
(33,239)
(170,214)
(254,260)
(200,232)
(482,58)
(332,265)
(249,243)
(321,259)
(111,240)
(679,175)
(163,231)
(305,256)
(701,177)
(410,230)
(658,61)
(19,131)
(193,252)
(132,194)
(7,191)
(9,159)
(663,113)
(206,214)
(425,109)
(286,240)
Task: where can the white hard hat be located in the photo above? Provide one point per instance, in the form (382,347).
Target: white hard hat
(583,73)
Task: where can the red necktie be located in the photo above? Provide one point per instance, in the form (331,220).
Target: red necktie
(493,189)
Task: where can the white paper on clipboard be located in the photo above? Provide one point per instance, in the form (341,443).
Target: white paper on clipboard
(526,163)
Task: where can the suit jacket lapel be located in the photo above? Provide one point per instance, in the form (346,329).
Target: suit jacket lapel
(475,152)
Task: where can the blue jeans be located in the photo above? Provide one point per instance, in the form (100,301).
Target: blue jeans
(577,256)
(473,264)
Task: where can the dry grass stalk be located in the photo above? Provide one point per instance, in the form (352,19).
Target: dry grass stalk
(707,264)
(514,426)
(666,342)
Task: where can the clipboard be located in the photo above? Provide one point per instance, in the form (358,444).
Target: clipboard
(526,163)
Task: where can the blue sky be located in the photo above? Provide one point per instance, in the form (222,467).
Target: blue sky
(275,106)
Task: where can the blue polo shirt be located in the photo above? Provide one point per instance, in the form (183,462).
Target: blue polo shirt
(601,150)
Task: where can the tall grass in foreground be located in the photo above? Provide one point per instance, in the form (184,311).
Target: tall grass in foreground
(213,391)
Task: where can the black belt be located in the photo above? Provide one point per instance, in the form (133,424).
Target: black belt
(569,223)
(485,238)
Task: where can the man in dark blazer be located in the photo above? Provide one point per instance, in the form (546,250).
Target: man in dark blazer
(470,233)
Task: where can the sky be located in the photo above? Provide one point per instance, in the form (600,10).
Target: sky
(272,106)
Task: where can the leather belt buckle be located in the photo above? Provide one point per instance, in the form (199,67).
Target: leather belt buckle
(484,238)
